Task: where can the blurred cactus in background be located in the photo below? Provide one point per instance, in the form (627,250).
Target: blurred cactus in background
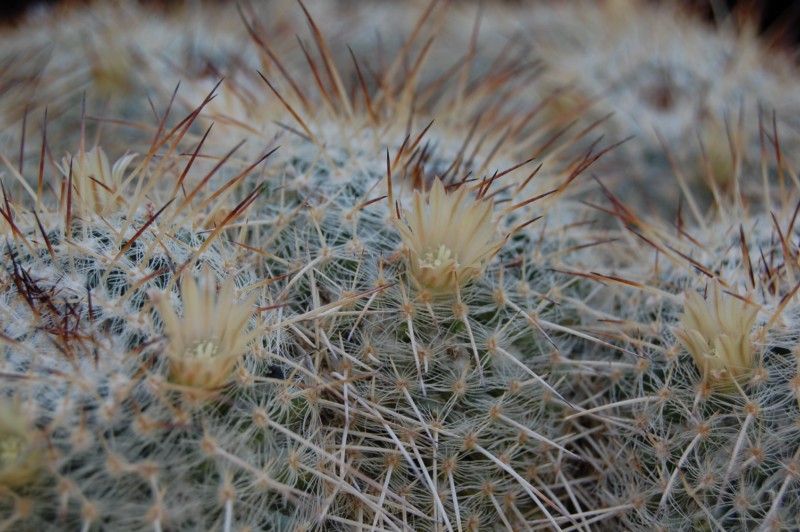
(382,266)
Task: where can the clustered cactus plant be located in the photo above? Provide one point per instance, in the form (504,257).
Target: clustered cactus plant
(329,287)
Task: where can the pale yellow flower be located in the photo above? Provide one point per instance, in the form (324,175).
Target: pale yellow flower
(449,238)
(205,346)
(716,332)
(96,184)
(20,451)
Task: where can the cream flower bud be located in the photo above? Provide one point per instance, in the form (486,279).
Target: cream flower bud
(449,238)
(20,451)
(716,332)
(205,346)
(96,185)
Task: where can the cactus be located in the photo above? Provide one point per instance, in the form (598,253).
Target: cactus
(681,88)
(367,283)
(706,417)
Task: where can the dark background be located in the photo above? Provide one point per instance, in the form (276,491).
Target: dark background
(780,19)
